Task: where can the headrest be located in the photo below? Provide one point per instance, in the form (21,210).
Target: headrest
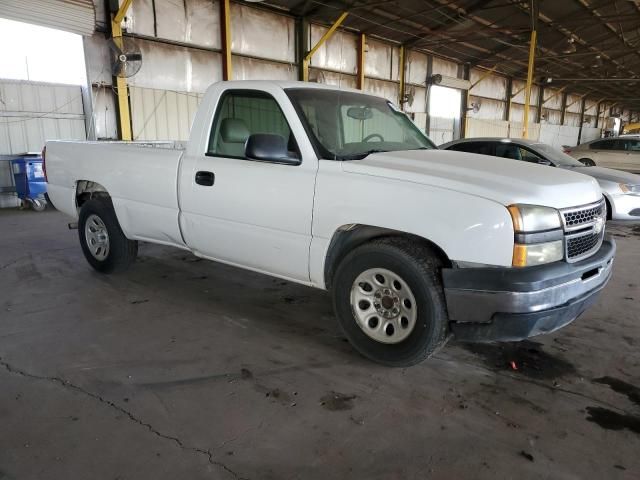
(234,130)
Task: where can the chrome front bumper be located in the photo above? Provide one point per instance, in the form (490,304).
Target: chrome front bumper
(486,304)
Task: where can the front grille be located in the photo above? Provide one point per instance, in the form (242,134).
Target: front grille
(575,218)
(584,230)
(579,245)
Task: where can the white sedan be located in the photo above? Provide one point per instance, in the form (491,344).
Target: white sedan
(622,153)
(621,189)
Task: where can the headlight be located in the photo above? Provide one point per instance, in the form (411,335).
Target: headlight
(539,238)
(624,188)
(538,253)
(532,218)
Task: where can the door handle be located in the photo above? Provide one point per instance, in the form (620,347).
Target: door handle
(206,179)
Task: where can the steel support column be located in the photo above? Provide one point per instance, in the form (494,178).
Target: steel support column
(401,75)
(527,89)
(361,61)
(124,115)
(307,59)
(225,39)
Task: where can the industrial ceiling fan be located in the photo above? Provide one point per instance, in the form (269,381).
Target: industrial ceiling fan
(126,59)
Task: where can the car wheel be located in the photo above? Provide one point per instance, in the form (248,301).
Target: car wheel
(588,162)
(104,245)
(389,300)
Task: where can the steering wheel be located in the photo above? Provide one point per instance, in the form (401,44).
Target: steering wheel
(373,135)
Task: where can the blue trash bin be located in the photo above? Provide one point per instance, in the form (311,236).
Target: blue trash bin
(31,185)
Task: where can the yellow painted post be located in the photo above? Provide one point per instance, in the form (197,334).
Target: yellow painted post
(327,35)
(121,83)
(225,39)
(527,88)
(401,88)
(361,61)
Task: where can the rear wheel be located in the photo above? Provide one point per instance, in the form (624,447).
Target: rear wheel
(390,303)
(104,245)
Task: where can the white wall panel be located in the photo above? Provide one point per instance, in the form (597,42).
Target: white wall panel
(489,109)
(477,127)
(381,88)
(332,78)
(339,53)
(590,107)
(441,129)
(168,67)
(75,16)
(416,68)
(444,67)
(97,59)
(572,119)
(262,34)
(252,69)
(34,112)
(104,113)
(382,60)
(551,117)
(574,103)
(559,135)
(517,113)
(162,114)
(492,86)
(419,101)
(516,130)
(188,21)
(519,98)
(552,98)
(590,133)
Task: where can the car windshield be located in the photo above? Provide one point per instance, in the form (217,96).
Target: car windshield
(350,126)
(558,157)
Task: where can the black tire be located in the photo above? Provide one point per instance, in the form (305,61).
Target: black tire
(419,267)
(588,162)
(122,251)
(50,204)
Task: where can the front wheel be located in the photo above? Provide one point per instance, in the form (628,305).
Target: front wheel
(104,245)
(389,300)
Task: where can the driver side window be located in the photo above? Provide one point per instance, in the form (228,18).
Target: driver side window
(245,113)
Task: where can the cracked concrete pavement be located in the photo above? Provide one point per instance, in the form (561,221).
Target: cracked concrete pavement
(182,368)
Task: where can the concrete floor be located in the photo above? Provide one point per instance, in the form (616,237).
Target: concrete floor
(187,369)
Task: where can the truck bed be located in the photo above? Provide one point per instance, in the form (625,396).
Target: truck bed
(141,178)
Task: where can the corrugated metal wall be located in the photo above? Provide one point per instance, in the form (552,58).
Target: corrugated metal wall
(32,113)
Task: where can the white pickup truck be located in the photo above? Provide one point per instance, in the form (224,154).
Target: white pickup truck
(339,190)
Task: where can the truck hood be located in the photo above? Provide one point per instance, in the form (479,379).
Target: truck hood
(609,175)
(502,180)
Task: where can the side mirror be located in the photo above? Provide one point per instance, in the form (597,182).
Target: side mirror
(266,147)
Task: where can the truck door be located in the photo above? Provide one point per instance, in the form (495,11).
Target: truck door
(255,214)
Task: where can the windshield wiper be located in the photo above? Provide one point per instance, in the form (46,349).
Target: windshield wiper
(360,156)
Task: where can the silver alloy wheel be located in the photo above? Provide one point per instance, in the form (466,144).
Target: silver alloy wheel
(383,305)
(97,237)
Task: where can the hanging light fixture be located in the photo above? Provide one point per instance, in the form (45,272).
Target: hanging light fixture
(569,46)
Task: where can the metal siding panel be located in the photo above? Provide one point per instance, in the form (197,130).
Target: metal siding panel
(252,69)
(478,127)
(338,53)
(75,16)
(332,78)
(416,67)
(445,67)
(489,109)
(256,32)
(381,88)
(492,86)
(519,98)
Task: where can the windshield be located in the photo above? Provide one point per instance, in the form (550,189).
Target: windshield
(558,157)
(350,126)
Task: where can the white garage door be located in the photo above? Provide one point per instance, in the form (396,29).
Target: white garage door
(75,16)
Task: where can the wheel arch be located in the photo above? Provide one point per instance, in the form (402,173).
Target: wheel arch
(348,237)
(87,189)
